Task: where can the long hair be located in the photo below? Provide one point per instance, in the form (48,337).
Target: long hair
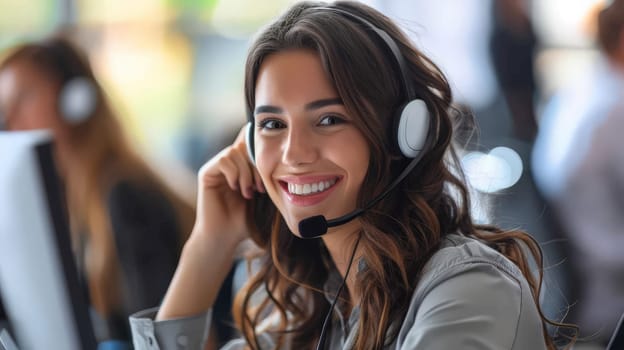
(401,232)
(98,154)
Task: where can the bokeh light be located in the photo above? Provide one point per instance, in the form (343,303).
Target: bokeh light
(494,171)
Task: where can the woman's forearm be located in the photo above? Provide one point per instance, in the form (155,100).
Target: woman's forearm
(204,265)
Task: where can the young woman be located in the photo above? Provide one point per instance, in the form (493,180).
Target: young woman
(325,85)
(127,227)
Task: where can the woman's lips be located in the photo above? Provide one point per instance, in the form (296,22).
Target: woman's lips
(308,191)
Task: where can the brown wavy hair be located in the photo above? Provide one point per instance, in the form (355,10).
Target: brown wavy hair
(99,153)
(401,232)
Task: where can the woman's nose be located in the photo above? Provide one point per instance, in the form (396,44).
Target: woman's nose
(300,147)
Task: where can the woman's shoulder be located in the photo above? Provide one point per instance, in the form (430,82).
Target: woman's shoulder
(474,293)
(459,253)
(469,271)
(134,195)
(140,208)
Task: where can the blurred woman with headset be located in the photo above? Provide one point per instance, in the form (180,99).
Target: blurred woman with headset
(127,226)
(348,121)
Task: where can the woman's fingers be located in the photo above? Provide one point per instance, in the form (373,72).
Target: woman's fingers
(253,182)
(233,165)
(245,175)
(226,184)
(230,171)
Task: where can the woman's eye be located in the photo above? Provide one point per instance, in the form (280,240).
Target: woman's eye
(271,124)
(331,120)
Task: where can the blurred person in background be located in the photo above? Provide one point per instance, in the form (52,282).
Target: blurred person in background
(127,226)
(512,49)
(578,163)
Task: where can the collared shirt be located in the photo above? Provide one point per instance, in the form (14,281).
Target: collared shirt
(468,297)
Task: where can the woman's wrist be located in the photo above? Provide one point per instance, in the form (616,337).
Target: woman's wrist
(205,249)
(202,238)
(204,264)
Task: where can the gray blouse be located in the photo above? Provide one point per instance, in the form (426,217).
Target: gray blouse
(469,297)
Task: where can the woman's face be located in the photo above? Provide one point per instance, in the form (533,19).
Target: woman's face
(27,98)
(310,155)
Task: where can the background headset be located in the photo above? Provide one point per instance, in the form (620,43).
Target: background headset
(78,95)
(410,135)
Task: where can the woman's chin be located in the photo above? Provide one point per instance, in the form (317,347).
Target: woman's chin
(293,227)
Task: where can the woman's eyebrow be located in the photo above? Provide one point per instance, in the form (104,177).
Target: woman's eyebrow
(310,106)
(268,109)
(322,103)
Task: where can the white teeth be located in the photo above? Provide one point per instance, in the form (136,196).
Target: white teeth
(305,189)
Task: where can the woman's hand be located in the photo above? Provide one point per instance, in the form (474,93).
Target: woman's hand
(226,185)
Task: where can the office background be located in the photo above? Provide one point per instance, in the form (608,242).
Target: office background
(174,72)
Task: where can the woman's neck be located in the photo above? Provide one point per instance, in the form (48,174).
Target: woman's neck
(341,243)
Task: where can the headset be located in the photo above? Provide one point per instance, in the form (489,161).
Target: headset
(411,134)
(412,119)
(78,95)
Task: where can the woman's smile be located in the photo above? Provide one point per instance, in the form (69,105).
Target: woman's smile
(308,190)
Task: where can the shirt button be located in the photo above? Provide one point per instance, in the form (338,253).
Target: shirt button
(183,340)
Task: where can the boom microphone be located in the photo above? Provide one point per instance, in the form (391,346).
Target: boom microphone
(316,226)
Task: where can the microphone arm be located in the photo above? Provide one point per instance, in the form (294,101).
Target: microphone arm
(316,226)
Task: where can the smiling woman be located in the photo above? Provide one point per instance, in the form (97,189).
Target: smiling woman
(348,120)
(305,138)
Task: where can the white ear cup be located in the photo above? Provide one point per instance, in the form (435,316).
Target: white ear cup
(249,141)
(413,128)
(77,100)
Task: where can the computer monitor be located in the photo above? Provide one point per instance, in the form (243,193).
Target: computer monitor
(38,276)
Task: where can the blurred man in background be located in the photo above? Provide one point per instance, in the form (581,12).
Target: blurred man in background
(512,48)
(578,162)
